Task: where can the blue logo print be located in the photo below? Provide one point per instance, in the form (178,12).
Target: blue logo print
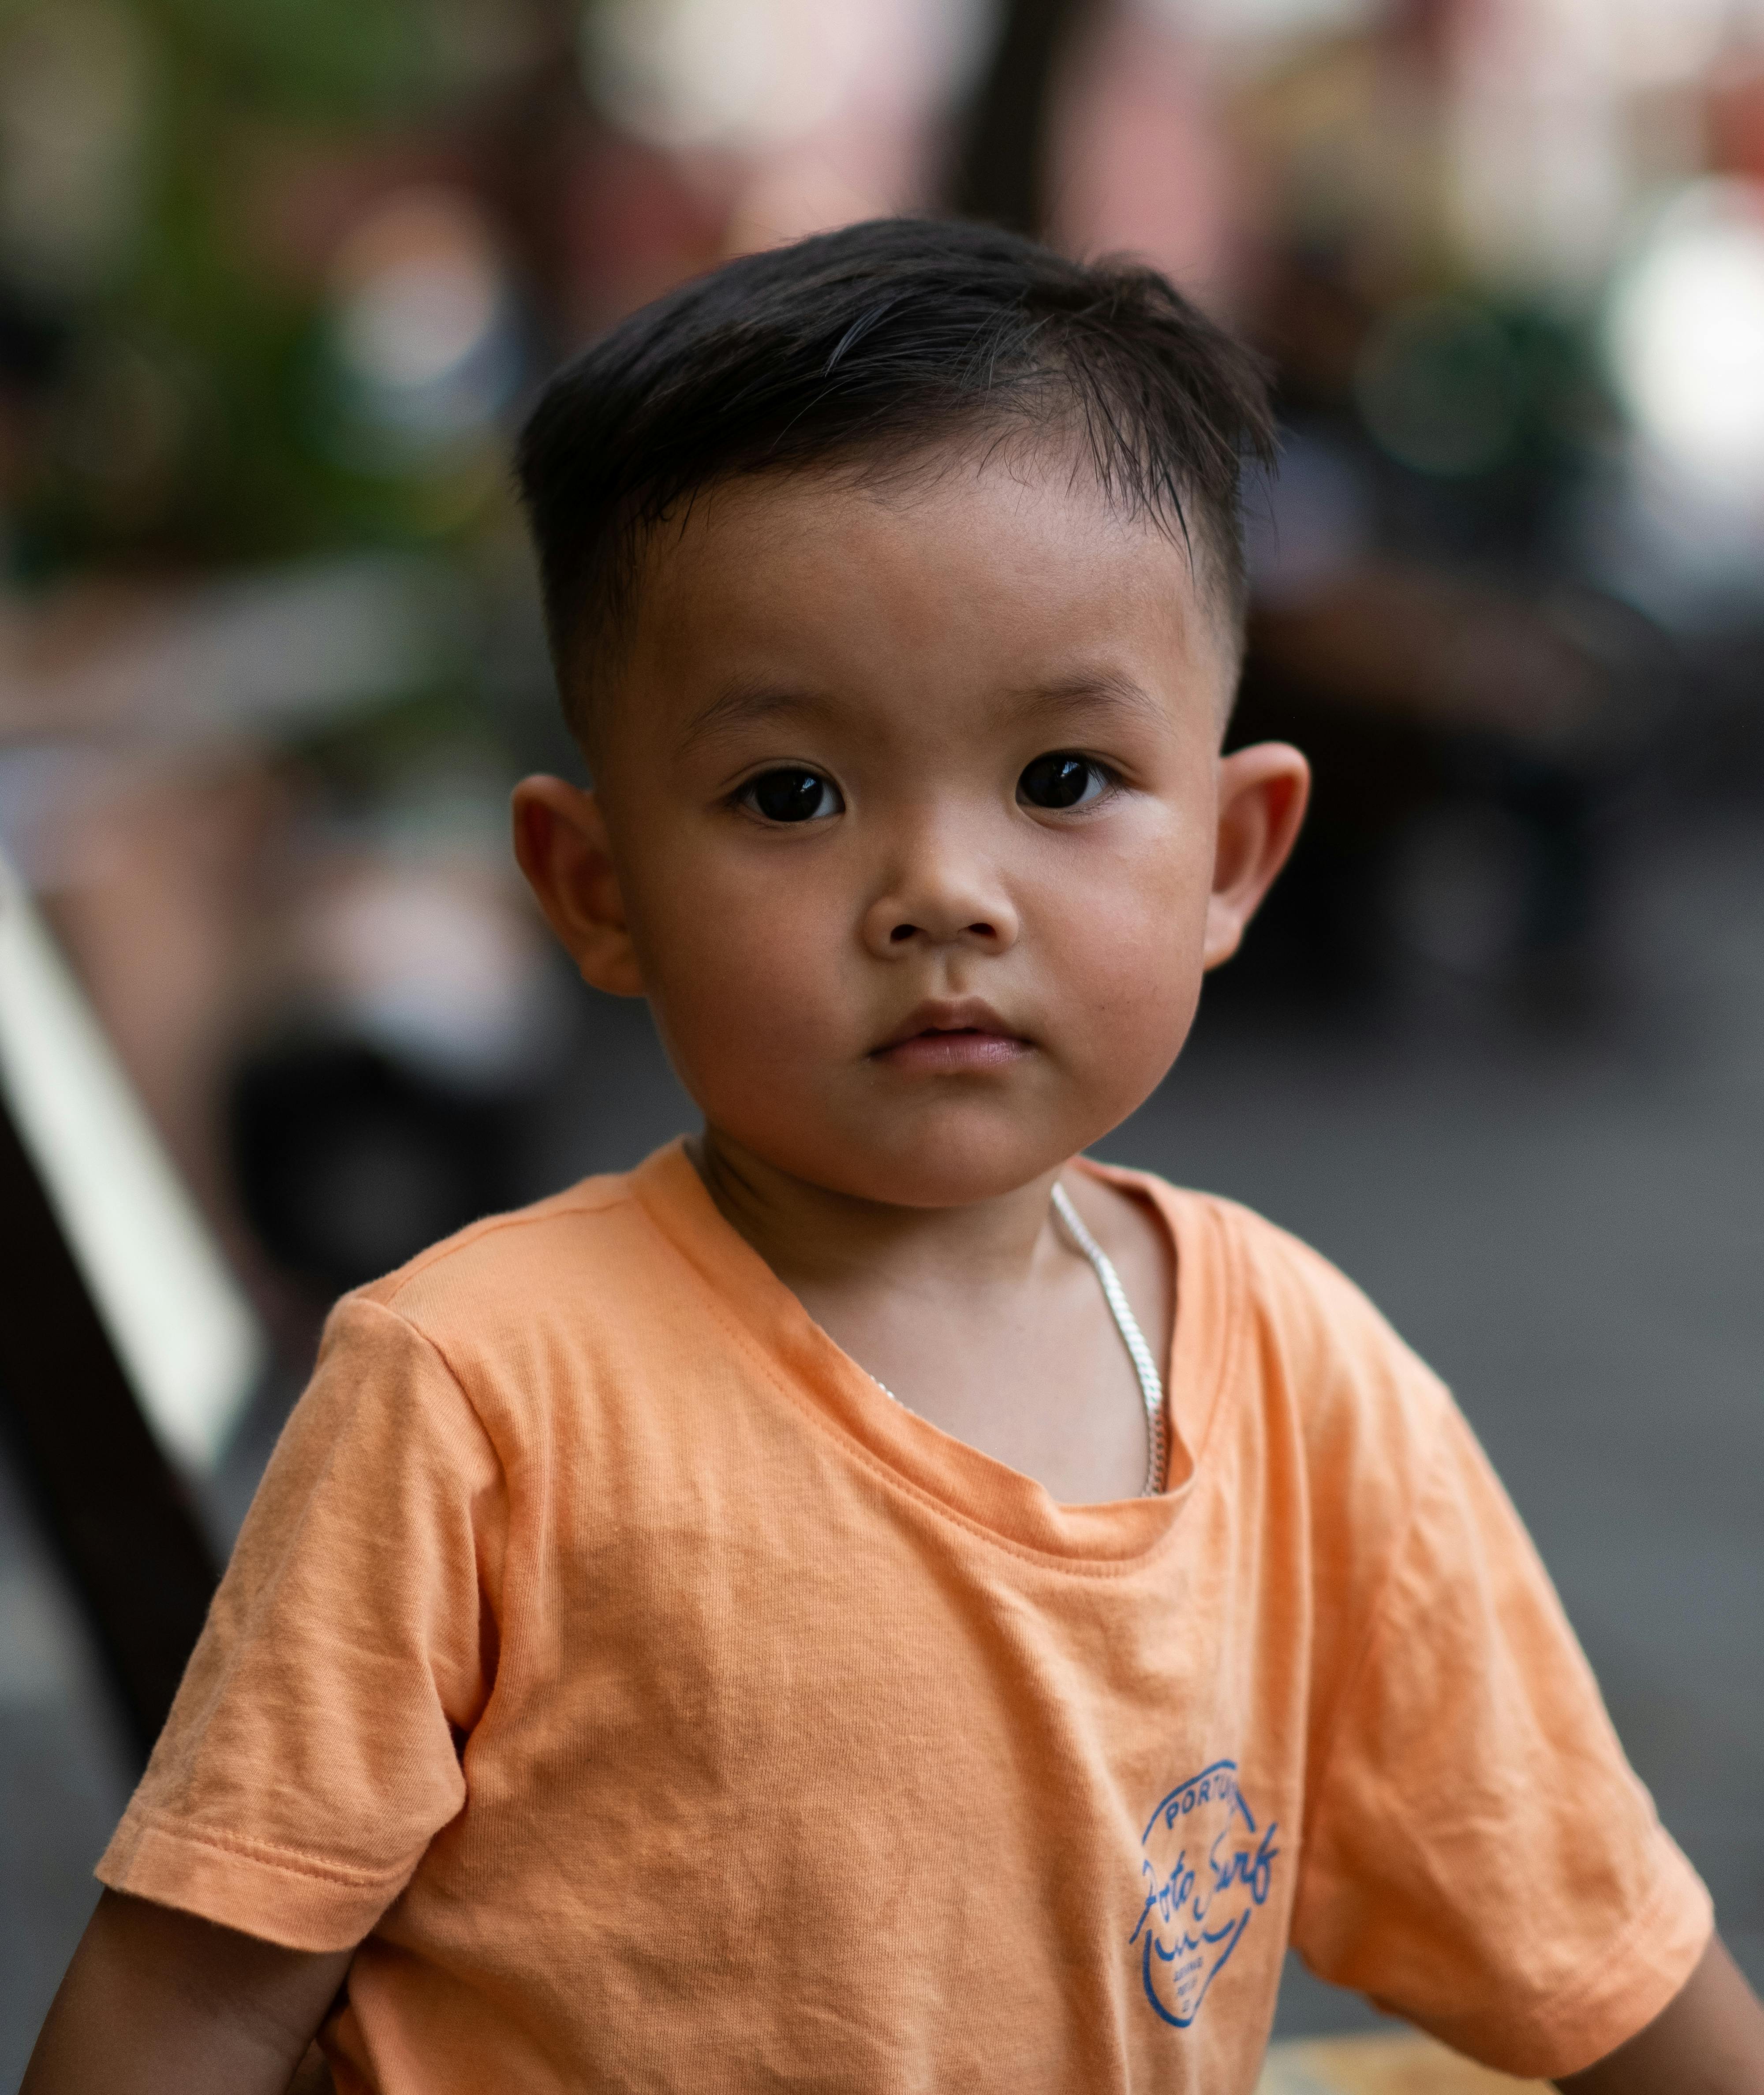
(1206,1868)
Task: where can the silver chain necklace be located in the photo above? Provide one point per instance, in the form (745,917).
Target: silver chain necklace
(1151,1382)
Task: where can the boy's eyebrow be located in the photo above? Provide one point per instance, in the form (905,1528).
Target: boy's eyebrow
(738,704)
(743,703)
(1106,691)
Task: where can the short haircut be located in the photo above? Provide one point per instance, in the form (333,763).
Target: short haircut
(871,347)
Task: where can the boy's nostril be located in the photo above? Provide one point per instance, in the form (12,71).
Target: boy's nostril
(900,932)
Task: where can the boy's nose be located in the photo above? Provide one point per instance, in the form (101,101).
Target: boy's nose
(940,903)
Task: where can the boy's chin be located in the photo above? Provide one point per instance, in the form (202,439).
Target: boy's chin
(951,1167)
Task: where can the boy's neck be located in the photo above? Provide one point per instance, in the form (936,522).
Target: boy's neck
(984,1319)
(814,1236)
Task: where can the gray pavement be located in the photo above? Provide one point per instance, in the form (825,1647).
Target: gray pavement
(1569,1227)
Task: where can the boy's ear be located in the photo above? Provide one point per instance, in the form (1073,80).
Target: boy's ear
(562,845)
(1263,793)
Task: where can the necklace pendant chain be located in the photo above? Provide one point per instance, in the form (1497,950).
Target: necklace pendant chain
(1144,1366)
(1151,1382)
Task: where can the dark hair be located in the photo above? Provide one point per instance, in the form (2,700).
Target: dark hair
(874,344)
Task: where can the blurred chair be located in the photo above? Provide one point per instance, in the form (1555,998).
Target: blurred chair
(127,1351)
(1398,2063)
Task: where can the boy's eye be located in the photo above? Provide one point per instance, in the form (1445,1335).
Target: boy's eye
(792,795)
(1060,780)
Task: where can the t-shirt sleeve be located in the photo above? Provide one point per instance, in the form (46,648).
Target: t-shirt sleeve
(313,1750)
(1480,1858)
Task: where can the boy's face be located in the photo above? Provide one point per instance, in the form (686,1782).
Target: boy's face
(910,821)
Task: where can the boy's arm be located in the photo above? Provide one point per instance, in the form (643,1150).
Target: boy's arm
(1710,2041)
(155,1999)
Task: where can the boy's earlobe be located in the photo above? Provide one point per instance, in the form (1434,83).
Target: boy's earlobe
(1263,793)
(562,845)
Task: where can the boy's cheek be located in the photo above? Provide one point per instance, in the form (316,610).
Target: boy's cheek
(748,1000)
(726,939)
(1124,1046)
(1134,942)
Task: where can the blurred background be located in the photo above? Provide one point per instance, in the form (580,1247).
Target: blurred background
(276,277)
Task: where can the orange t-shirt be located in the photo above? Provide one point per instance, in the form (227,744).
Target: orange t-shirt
(658,1705)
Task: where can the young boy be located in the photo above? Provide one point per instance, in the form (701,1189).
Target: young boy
(871,1600)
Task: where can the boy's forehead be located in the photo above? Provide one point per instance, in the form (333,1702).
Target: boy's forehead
(1015,573)
(993,517)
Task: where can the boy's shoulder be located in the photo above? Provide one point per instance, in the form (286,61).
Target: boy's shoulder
(511,1288)
(1257,1269)
(525,1251)
(1285,1325)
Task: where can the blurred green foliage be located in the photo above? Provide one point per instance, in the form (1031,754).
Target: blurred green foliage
(326,63)
(191,410)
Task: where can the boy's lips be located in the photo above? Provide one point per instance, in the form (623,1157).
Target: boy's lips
(958,1035)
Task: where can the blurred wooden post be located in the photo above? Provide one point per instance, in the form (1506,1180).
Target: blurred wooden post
(112,1506)
(1001,167)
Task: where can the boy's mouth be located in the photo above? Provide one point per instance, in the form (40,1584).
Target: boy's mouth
(952,1037)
